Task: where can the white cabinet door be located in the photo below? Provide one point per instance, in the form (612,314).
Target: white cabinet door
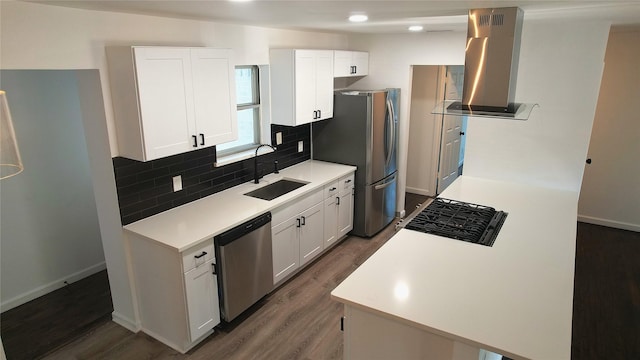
(165,93)
(360,60)
(285,248)
(324,84)
(201,289)
(350,63)
(330,221)
(345,213)
(302,86)
(305,83)
(214,96)
(311,233)
(170,100)
(342,66)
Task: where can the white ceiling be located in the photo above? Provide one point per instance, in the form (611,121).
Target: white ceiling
(328,15)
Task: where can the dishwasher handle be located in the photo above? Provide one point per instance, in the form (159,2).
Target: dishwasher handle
(242,229)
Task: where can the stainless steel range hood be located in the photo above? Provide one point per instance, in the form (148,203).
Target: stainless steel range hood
(491,66)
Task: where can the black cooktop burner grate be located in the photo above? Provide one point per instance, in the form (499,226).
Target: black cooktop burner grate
(459,220)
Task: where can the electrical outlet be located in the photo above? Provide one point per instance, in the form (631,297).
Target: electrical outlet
(278,138)
(300,146)
(177,183)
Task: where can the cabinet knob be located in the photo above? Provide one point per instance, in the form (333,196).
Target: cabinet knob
(589,161)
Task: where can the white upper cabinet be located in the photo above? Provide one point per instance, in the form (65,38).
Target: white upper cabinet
(170,100)
(301,86)
(350,63)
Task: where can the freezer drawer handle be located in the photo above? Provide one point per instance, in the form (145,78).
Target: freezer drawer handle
(382,186)
(201,255)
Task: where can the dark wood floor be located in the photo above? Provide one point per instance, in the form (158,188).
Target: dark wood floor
(56,319)
(606,301)
(300,321)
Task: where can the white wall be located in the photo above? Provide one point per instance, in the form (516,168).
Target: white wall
(390,61)
(560,68)
(36,36)
(610,193)
(49,224)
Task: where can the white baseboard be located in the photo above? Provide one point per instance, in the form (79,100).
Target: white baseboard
(125,322)
(52,286)
(609,223)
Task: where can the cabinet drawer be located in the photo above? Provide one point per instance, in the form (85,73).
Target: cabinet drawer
(295,207)
(332,189)
(198,255)
(346,182)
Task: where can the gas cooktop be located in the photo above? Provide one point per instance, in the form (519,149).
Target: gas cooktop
(459,220)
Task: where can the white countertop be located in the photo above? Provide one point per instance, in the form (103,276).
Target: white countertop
(514,298)
(192,223)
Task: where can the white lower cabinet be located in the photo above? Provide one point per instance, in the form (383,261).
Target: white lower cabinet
(201,288)
(307,227)
(338,207)
(177,292)
(296,234)
(286,249)
(311,233)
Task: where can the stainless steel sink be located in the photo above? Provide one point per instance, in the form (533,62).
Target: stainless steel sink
(276,189)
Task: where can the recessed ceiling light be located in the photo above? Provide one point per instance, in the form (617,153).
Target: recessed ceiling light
(358,18)
(416,28)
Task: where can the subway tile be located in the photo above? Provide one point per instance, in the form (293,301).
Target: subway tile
(145,188)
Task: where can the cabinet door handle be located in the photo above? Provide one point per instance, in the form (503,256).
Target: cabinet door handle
(298,222)
(304,221)
(347,181)
(201,139)
(213,269)
(319,114)
(337,200)
(195,140)
(315,114)
(201,255)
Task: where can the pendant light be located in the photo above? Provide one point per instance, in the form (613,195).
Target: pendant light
(10,161)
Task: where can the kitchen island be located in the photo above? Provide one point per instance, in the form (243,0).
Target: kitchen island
(429,297)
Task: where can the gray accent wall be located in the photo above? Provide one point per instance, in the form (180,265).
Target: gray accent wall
(49,230)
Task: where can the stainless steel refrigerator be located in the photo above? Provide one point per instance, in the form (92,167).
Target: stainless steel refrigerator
(364,132)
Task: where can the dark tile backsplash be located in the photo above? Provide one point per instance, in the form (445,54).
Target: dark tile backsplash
(146,188)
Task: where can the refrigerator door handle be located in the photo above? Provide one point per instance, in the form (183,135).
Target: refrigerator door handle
(386,184)
(392,131)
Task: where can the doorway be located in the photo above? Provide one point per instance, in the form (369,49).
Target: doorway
(436,142)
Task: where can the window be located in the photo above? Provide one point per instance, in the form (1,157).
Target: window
(248,101)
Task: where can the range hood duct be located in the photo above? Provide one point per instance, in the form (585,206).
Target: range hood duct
(491,66)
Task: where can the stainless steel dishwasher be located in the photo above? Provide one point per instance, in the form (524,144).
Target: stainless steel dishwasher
(245,265)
